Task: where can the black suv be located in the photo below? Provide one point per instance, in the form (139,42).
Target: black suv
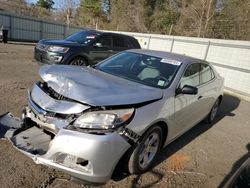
(86,47)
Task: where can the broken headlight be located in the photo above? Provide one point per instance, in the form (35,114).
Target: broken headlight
(106,119)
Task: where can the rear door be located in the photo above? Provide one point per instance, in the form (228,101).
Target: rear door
(207,89)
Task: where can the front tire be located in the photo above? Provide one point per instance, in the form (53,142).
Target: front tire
(143,154)
(79,61)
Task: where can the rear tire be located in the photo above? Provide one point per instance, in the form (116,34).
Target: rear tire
(142,156)
(211,116)
(79,61)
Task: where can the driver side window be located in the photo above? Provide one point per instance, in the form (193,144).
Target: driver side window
(191,76)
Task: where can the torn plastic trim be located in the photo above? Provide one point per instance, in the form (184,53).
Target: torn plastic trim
(129,135)
(51,124)
(25,135)
(33,140)
(8,125)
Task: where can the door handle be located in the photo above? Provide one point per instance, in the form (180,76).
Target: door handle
(200,97)
(110,51)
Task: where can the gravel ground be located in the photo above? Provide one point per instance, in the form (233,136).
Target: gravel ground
(203,157)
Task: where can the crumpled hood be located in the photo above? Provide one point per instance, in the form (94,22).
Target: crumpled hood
(96,88)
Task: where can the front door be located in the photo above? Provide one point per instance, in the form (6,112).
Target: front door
(101,48)
(187,107)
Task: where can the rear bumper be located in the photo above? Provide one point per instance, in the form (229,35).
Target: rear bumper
(84,156)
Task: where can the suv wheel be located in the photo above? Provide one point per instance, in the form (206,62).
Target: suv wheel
(143,154)
(79,61)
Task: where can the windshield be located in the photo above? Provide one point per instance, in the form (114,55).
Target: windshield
(82,37)
(145,69)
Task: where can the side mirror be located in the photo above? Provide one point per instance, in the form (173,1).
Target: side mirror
(98,45)
(189,90)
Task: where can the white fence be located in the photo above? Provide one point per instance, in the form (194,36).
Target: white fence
(231,58)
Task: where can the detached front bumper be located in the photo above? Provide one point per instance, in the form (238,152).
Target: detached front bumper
(85,156)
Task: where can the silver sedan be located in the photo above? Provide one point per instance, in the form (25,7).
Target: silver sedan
(84,120)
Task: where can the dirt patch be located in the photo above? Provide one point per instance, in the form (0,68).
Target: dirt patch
(178,162)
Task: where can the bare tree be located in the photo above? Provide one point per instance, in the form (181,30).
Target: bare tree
(68,8)
(198,15)
(209,15)
(199,10)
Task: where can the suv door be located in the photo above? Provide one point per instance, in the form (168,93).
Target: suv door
(101,48)
(187,112)
(119,44)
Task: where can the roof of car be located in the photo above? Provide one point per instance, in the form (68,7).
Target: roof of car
(91,31)
(164,55)
(100,32)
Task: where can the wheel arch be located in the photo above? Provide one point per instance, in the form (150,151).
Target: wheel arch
(123,160)
(79,56)
(220,98)
(163,125)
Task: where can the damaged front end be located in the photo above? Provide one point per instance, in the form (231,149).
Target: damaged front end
(47,133)
(79,120)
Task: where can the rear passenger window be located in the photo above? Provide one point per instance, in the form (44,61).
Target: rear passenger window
(119,42)
(206,73)
(133,43)
(191,76)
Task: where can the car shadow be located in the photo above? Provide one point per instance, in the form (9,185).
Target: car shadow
(235,167)
(228,105)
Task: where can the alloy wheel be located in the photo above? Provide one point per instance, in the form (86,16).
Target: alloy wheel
(79,62)
(149,150)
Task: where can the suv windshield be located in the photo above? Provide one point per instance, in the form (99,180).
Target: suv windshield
(145,69)
(82,37)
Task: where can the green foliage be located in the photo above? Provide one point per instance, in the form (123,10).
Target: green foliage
(90,13)
(92,7)
(169,17)
(47,4)
(161,16)
(152,4)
